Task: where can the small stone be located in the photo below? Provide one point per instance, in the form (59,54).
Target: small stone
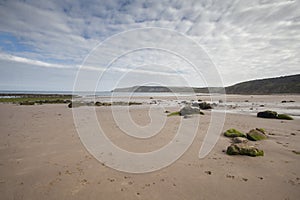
(239,140)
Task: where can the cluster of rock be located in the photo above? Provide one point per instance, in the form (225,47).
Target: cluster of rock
(273,115)
(45,101)
(76,104)
(202,105)
(240,142)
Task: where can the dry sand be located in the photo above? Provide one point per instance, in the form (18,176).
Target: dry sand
(42,157)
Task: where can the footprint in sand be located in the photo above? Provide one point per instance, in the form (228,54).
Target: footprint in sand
(130,182)
(84,181)
(208,172)
(229,176)
(111,179)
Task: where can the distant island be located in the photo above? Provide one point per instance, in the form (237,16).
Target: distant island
(278,85)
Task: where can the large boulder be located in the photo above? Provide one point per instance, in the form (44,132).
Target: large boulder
(233,133)
(188,110)
(244,149)
(267,114)
(256,134)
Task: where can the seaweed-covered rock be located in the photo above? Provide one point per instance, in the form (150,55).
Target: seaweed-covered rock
(204,105)
(188,110)
(233,133)
(239,140)
(267,114)
(284,116)
(256,134)
(243,149)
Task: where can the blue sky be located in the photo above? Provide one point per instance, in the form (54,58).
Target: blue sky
(43,43)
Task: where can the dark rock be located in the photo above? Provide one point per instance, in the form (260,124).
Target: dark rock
(204,105)
(267,114)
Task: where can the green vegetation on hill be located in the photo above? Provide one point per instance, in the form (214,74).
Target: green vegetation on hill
(279,85)
(285,84)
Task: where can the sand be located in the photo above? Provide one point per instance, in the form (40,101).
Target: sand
(42,157)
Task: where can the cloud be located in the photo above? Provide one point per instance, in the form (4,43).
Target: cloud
(245,39)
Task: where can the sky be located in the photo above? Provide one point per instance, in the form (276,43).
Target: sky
(44,45)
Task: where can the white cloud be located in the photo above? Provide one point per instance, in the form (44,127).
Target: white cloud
(245,39)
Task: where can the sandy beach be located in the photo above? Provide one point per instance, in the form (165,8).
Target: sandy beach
(42,157)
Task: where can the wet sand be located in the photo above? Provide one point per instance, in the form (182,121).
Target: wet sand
(42,157)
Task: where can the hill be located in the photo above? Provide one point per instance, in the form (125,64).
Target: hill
(284,84)
(279,85)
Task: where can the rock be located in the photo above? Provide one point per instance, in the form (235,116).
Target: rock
(239,140)
(195,104)
(186,116)
(153,102)
(233,133)
(188,110)
(243,149)
(256,134)
(184,102)
(267,114)
(205,106)
(284,116)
